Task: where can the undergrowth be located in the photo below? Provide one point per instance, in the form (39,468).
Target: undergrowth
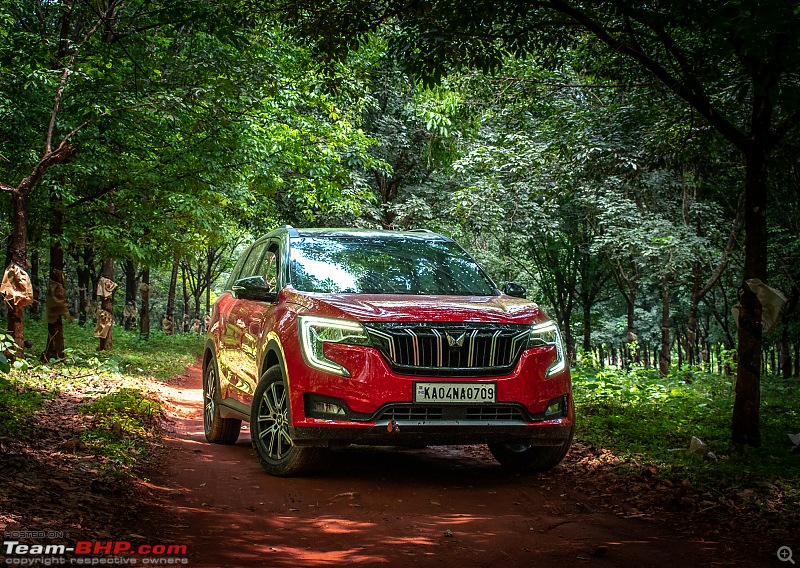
(122,423)
(649,420)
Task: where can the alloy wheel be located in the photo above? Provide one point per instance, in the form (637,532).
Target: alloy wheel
(209,395)
(273,421)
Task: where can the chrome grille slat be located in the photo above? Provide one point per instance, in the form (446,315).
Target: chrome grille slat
(450,349)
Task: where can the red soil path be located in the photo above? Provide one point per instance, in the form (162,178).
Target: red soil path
(437,507)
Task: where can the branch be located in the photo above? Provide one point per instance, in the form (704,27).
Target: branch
(59,156)
(63,83)
(723,263)
(669,43)
(784,128)
(92,197)
(695,99)
(88,121)
(59,94)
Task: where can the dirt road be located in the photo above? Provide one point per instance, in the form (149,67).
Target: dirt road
(390,507)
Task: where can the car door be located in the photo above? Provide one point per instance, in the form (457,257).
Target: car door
(254,319)
(232,315)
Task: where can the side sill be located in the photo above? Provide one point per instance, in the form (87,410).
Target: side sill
(230,408)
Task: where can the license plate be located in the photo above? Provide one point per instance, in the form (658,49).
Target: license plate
(455,392)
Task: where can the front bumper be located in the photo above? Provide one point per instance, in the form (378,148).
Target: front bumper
(438,433)
(374,400)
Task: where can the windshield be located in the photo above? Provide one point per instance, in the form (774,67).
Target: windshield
(385,266)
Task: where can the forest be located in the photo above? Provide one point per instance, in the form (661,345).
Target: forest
(634,165)
(636,168)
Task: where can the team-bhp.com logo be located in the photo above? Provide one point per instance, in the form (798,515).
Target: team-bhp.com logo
(93,553)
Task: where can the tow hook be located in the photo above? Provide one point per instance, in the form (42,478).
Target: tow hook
(392,426)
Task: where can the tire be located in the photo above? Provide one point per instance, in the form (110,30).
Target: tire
(524,457)
(218,430)
(270,419)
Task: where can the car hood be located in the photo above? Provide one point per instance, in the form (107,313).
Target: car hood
(402,307)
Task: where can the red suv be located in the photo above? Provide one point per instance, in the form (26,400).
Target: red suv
(330,337)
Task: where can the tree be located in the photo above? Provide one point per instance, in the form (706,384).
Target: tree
(69,68)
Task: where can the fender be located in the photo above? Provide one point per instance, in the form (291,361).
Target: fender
(228,407)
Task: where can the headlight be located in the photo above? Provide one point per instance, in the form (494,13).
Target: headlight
(316,331)
(546,333)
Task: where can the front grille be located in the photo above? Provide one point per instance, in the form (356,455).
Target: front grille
(421,412)
(450,349)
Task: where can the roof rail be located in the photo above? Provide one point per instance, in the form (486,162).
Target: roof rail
(421,231)
(292,231)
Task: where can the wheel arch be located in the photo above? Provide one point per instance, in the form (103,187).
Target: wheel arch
(208,351)
(273,355)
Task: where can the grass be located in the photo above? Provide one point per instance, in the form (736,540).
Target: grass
(18,406)
(161,357)
(649,420)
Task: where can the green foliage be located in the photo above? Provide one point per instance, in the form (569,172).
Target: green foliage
(7,345)
(127,408)
(18,406)
(123,421)
(162,356)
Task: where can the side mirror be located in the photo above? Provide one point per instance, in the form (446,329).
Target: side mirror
(514,289)
(254,288)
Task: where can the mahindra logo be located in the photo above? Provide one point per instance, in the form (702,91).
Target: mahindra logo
(454,342)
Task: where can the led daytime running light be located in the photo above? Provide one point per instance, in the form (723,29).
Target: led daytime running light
(315,331)
(547,333)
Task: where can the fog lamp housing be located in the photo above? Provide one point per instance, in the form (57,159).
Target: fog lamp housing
(556,408)
(327,408)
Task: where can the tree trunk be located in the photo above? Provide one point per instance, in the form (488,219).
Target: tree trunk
(786,348)
(566,330)
(746,407)
(173,284)
(209,266)
(692,324)
(36,284)
(55,328)
(84,282)
(144,317)
(786,354)
(130,295)
(587,327)
(185,324)
(772,362)
(107,304)
(630,308)
(797,360)
(19,236)
(664,355)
